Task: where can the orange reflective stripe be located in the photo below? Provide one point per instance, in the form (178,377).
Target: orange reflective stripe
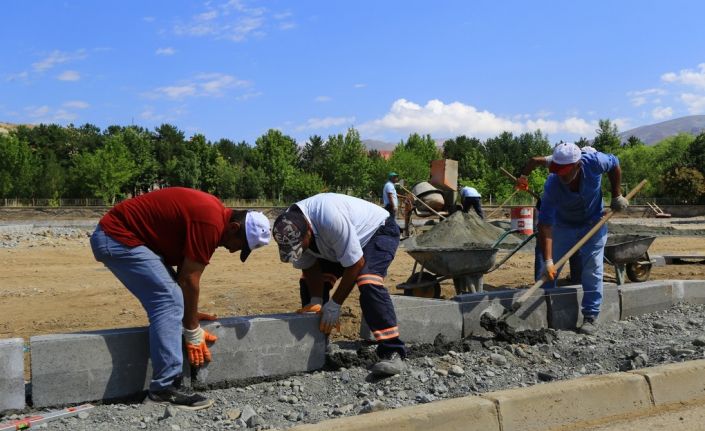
(386,334)
(370,279)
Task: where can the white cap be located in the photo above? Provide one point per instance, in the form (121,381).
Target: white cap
(257,232)
(588,149)
(566,153)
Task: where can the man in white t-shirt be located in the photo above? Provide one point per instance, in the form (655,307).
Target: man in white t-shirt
(389,194)
(470,198)
(361,239)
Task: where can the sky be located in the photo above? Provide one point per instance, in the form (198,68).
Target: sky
(236,68)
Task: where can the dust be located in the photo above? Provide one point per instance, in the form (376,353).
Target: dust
(463,230)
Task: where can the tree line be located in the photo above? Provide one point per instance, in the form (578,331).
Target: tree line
(53,161)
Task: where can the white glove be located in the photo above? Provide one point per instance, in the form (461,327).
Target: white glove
(619,203)
(193,336)
(330,316)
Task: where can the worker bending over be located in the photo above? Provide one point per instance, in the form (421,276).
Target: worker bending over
(571,205)
(341,235)
(470,198)
(141,239)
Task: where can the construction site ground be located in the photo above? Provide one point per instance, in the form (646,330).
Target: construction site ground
(52,284)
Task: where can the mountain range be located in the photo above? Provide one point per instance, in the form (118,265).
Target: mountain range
(653,133)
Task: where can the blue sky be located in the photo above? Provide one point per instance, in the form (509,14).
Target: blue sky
(233,69)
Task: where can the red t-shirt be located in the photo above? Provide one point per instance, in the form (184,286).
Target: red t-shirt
(174,223)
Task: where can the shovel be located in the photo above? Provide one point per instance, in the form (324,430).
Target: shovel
(495,316)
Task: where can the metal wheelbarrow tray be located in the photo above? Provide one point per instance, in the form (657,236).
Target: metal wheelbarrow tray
(453,262)
(629,253)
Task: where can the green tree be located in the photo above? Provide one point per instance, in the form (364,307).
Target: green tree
(685,185)
(106,171)
(18,167)
(346,163)
(607,139)
(303,185)
(225,184)
(277,155)
(140,144)
(470,154)
(633,141)
(696,153)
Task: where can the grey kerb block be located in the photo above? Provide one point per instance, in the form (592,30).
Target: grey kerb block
(564,306)
(646,297)
(262,346)
(420,320)
(74,368)
(532,315)
(690,291)
(11,374)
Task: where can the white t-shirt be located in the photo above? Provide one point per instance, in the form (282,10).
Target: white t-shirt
(469,192)
(342,225)
(389,188)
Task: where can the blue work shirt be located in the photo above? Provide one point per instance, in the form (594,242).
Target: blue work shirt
(564,208)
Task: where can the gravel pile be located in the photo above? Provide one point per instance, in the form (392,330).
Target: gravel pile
(434,372)
(31,236)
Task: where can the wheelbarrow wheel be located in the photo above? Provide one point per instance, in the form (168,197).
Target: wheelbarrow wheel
(423,292)
(638,272)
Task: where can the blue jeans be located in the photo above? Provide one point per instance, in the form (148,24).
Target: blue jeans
(591,256)
(145,275)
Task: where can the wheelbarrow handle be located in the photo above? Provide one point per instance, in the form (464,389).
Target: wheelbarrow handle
(608,215)
(511,253)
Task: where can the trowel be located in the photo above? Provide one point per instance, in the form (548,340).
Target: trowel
(499,319)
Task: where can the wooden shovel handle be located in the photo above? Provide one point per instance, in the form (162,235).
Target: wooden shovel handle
(608,215)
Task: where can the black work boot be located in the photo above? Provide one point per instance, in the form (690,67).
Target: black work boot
(180,398)
(589,325)
(389,365)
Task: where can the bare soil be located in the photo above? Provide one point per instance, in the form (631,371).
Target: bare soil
(57,286)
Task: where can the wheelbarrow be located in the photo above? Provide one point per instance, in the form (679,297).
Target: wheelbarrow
(465,265)
(629,255)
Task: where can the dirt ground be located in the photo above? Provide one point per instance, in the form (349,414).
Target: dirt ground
(59,287)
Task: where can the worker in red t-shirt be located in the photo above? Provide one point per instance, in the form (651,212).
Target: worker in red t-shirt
(141,239)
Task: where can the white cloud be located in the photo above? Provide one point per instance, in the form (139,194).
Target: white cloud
(324,123)
(360,85)
(642,97)
(165,51)
(148,19)
(661,113)
(20,76)
(58,57)
(75,104)
(69,75)
(232,20)
(690,77)
(203,85)
(46,114)
(441,119)
(322,99)
(249,95)
(694,102)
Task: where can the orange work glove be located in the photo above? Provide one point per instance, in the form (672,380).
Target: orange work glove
(550,270)
(196,339)
(314,306)
(522,183)
(206,316)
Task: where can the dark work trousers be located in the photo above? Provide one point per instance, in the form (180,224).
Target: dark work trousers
(473,203)
(375,302)
(390,210)
(332,271)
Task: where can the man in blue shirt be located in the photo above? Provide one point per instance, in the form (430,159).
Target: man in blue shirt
(571,206)
(389,194)
(470,198)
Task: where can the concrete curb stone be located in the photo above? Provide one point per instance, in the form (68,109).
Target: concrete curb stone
(564,306)
(420,320)
(12,395)
(646,297)
(458,414)
(676,383)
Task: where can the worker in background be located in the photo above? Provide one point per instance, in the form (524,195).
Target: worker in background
(471,198)
(523,184)
(141,239)
(389,194)
(571,205)
(361,239)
